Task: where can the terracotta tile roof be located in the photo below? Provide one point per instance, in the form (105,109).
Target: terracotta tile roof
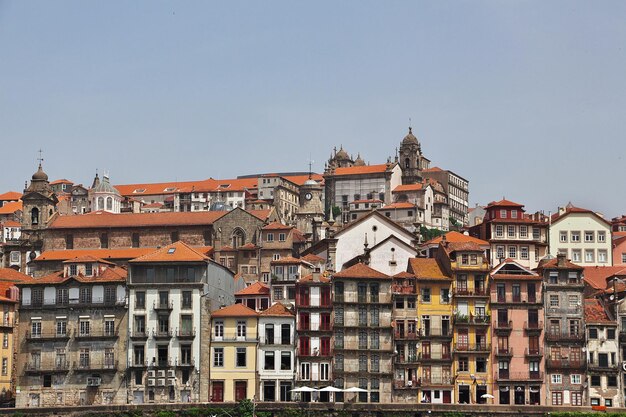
(260,214)
(110,274)
(571,209)
(408,187)
(257,288)
(87,258)
(176,252)
(427,268)
(153,188)
(398,206)
(11,275)
(457,237)
(227,248)
(596,313)
(152,205)
(227,185)
(362,170)
(234,310)
(553,264)
(108,220)
(249,246)
(288,260)
(11,207)
(11,223)
(115,254)
(596,276)
(360,270)
(463,246)
(309,278)
(433,169)
(503,203)
(301,179)
(314,259)
(61,181)
(297,236)
(278,310)
(10,195)
(404,275)
(277,226)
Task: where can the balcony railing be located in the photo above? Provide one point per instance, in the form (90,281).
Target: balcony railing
(96,334)
(505,352)
(185,363)
(533,326)
(409,359)
(7,322)
(163,306)
(90,365)
(592,366)
(480,347)
(405,335)
(434,357)
(470,292)
(443,380)
(471,319)
(503,325)
(409,384)
(185,333)
(403,289)
(53,366)
(566,336)
(565,363)
(517,376)
(530,353)
(430,332)
(162,334)
(52,335)
(73,302)
(139,334)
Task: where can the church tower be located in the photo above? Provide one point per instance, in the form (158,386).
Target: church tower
(38,206)
(411,160)
(104,197)
(310,214)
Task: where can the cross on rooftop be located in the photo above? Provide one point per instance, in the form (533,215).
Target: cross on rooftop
(40,159)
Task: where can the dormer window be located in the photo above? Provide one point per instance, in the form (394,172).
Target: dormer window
(514,214)
(73,270)
(503,214)
(139,190)
(88,270)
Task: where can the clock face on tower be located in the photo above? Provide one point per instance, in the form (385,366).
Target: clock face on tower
(308,196)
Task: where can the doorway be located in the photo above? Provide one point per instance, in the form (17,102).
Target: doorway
(217,392)
(464,394)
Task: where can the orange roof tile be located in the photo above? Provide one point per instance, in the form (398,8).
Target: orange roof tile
(11,223)
(10,274)
(427,268)
(260,214)
(110,274)
(277,226)
(398,206)
(361,270)
(309,278)
(61,181)
(176,252)
(596,276)
(362,170)
(288,260)
(553,264)
(109,220)
(404,275)
(153,188)
(457,237)
(301,179)
(278,310)
(463,246)
(10,195)
(313,258)
(504,203)
(257,288)
(85,259)
(408,187)
(234,310)
(11,207)
(116,254)
(571,209)
(596,313)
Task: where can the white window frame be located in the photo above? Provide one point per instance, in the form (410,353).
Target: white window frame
(556,378)
(575,379)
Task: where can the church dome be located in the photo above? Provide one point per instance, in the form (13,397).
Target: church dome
(359,162)
(105,186)
(311,181)
(410,138)
(342,155)
(40,175)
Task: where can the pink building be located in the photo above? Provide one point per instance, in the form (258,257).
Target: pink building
(619,248)
(517,334)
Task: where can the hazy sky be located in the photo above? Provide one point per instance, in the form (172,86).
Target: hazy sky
(525,99)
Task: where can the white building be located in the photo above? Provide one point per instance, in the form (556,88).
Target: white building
(276,353)
(582,235)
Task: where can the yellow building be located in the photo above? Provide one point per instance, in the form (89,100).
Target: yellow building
(464,259)
(434,310)
(234,341)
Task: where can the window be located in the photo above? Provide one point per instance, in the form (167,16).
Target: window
(589,236)
(563,237)
(601,237)
(589,255)
(575,237)
(62,296)
(240,358)
(536,233)
(595,401)
(503,214)
(73,270)
(269,361)
(219,329)
(83,358)
(510,231)
(241,329)
(186,299)
(140,300)
(5,340)
(595,380)
(281,237)
(499,230)
(104,241)
(608,402)
(554,300)
(270,237)
(140,324)
(285,361)
(602,257)
(556,378)
(610,334)
(557,398)
(513,252)
(523,232)
(426,295)
(576,398)
(463,364)
(575,379)
(305,370)
(324,371)
(88,270)
(174,237)
(611,381)
(109,326)
(110,295)
(84,327)
(523,252)
(572,300)
(500,252)
(444,294)
(69,242)
(85,295)
(576,255)
(135,240)
(5,366)
(218,357)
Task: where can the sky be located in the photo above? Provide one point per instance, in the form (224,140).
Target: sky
(525,99)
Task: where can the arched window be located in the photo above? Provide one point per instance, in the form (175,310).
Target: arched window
(34,216)
(238,237)
(109,203)
(100,205)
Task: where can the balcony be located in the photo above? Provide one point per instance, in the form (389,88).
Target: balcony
(185,363)
(403,289)
(462,319)
(470,292)
(139,334)
(160,334)
(406,360)
(185,334)
(533,327)
(604,367)
(565,363)
(46,336)
(94,302)
(7,323)
(505,375)
(501,327)
(163,307)
(410,384)
(96,334)
(428,357)
(504,352)
(436,381)
(533,353)
(444,333)
(472,348)
(577,336)
(93,366)
(398,335)
(47,367)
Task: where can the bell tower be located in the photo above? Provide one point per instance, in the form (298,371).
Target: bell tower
(310,213)
(39,206)
(411,159)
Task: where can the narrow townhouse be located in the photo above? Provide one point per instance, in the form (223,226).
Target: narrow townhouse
(233,371)
(603,365)
(517,334)
(276,353)
(71,336)
(362,310)
(564,336)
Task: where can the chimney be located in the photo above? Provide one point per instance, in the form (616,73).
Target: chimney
(560,260)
